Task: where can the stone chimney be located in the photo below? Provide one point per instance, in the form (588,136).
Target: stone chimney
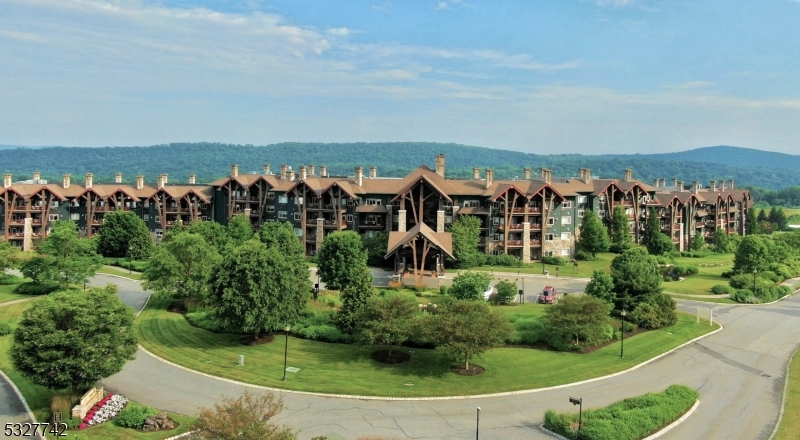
(730,185)
(695,187)
(323,171)
(722,185)
(192,179)
(476,174)
(663,183)
(680,186)
(675,182)
(291,176)
(89,177)
(586,175)
(714,185)
(284,169)
(160,181)
(373,172)
(65,181)
(440,164)
(139,181)
(37,175)
(628,175)
(303,172)
(234,170)
(527,173)
(656,182)
(166,178)
(359,179)
(311,170)
(6,180)
(489,177)
(266,168)
(546,174)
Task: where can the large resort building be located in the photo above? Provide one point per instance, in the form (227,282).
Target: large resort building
(527,217)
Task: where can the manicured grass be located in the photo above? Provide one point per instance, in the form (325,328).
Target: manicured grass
(790,424)
(7,294)
(699,284)
(348,369)
(706,299)
(585,268)
(119,271)
(38,397)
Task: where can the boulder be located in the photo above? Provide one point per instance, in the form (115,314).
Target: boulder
(159,422)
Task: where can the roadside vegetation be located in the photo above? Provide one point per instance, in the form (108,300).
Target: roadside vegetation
(790,423)
(630,419)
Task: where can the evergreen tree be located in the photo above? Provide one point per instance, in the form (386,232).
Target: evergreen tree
(698,242)
(652,228)
(466,235)
(354,296)
(594,236)
(620,231)
(635,274)
(601,286)
(751,222)
(762,216)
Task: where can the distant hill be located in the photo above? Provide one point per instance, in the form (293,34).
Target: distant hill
(212,160)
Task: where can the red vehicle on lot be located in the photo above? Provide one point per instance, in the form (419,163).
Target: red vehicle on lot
(547,296)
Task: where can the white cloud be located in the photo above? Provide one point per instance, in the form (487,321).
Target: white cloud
(442,5)
(339,32)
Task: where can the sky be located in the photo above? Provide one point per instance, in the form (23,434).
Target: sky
(544,76)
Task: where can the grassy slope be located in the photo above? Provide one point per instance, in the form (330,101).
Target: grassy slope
(347,369)
(119,271)
(6,294)
(38,397)
(790,425)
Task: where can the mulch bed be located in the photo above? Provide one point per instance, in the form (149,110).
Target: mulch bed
(177,307)
(261,339)
(397,357)
(473,370)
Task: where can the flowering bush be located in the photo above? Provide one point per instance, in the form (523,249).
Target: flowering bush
(105,410)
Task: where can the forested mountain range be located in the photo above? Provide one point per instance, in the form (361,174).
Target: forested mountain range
(209,161)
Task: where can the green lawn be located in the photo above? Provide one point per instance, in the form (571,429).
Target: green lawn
(585,268)
(348,369)
(706,299)
(7,294)
(38,397)
(790,424)
(119,271)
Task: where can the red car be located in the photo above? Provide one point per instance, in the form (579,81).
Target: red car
(547,296)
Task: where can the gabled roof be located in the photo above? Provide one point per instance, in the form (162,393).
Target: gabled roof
(177,192)
(442,240)
(26,190)
(424,173)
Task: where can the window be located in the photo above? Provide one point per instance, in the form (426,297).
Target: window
(270,209)
(376,202)
(146,203)
(581,213)
(282,215)
(204,218)
(298,232)
(582,200)
(566,220)
(349,218)
(52,217)
(203,206)
(601,213)
(551,221)
(296,216)
(158,219)
(159,232)
(448,219)
(495,237)
(396,203)
(371,219)
(567,205)
(270,195)
(471,204)
(549,237)
(495,221)
(351,202)
(566,235)
(78,216)
(55,203)
(565,252)
(283,199)
(299,201)
(447,203)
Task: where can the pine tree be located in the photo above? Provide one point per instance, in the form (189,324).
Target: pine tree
(620,231)
(594,236)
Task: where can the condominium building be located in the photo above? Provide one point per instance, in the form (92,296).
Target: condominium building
(527,217)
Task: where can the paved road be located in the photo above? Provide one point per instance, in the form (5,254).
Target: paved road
(738,372)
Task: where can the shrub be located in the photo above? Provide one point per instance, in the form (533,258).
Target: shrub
(206,320)
(720,289)
(744,296)
(443,290)
(419,288)
(134,415)
(502,260)
(695,254)
(73,423)
(629,419)
(783,291)
(8,279)
(528,330)
(324,332)
(581,254)
(727,274)
(770,275)
(679,270)
(555,261)
(35,289)
(505,292)
(741,281)
(692,270)
(654,311)
(663,260)
(396,285)
(5,328)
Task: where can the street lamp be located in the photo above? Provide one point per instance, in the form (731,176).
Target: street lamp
(578,401)
(130,257)
(755,271)
(622,333)
(286,350)
(477,423)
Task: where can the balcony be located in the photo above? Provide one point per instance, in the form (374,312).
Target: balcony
(527,209)
(515,226)
(511,243)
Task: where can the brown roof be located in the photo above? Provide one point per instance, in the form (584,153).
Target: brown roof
(473,211)
(204,192)
(442,240)
(371,209)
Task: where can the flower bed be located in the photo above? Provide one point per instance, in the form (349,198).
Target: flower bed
(105,410)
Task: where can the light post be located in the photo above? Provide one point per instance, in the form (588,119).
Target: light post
(130,258)
(579,402)
(755,271)
(477,423)
(519,264)
(286,350)
(622,334)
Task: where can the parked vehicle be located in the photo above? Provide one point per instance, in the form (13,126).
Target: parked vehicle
(488,292)
(547,296)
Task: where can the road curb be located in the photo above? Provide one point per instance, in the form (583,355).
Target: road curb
(477,396)
(21,399)
(783,398)
(658,434)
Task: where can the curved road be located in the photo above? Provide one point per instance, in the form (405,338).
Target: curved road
(738,372)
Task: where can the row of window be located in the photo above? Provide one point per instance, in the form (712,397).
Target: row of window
(547,237)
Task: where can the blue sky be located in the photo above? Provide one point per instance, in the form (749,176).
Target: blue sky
(557,76)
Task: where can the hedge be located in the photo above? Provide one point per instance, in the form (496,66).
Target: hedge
(629,419)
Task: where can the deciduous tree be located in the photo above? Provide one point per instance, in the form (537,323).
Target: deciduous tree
(354,297)
(387,320)
(341,258)
(601,286)
(376,247)
(464,329)
(576,320)
(124,234)
(594,236)
(254,289)
(469,286)
(73,339)
(64,258)
(635,273)
(246,418)
(466,235)
(506,291)
(239,229)
(9,257)
(181,267)
(698,242)
(752,255)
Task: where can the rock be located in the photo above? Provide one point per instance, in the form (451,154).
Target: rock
(158,422)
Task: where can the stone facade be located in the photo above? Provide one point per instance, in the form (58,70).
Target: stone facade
(439,221)
(557,245)
(526,242)
(401,220)
(27,235)
(320,232)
